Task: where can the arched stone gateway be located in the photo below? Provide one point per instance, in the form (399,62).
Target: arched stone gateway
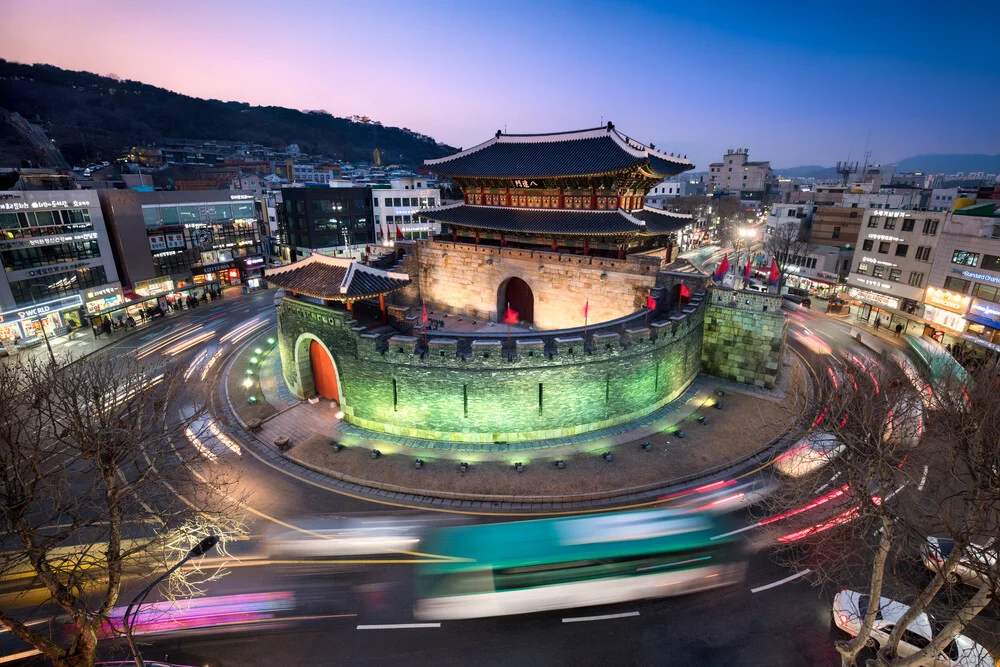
(314,370)
(516,293)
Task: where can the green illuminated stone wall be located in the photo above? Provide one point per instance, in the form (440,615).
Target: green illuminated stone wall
(744,337)
(388,386)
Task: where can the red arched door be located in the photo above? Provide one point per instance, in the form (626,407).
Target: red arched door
(324,376)
(516,293)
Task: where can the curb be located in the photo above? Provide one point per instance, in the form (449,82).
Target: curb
(380,492)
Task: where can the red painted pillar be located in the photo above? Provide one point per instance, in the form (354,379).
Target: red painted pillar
(477,237)
(381,307)
(350,308)
(621,251)
(503,240)
(555,245)
(586,246)
(454,235)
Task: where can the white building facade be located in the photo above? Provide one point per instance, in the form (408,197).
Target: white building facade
(397,206)
(736,173)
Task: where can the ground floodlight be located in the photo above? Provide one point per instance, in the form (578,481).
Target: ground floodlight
(717,406)
(418,464)
(679,433)
(560,464)
(376,453)
(646,447)
(463,467)
(606,456)
(703,420)
(519,466)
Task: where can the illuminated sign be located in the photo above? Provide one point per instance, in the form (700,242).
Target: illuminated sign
(945,318)
(946,299)
(883,237)
(986,310)
(103,292)
(51,240)
(48,306)
(981,276)
(25,206)
(889,214)
(157,242)
(241,196)
(874,283)
(57,269)
(253,261)
(872,260)
(175,240)
(979,341)
(874,297)
(233,273)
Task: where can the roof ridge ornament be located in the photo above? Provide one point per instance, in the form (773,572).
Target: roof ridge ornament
(611,126)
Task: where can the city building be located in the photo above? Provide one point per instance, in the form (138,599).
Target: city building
(819,194)
(182,242)
(836,225)
(332,220)
(891,197)
(678,186)
(963,293)
(316,173)
(892,264)
(818,269)
(397,208)
(737,174)
(914,179)
(58,265)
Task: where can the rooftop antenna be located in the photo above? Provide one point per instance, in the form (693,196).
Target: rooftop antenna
(845,169)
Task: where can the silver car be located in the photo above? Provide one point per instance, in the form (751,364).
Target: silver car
(971,568)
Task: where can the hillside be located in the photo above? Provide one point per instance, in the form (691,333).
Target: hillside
(950,164)
(97,117)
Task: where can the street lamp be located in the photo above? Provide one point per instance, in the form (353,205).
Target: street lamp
(199,550)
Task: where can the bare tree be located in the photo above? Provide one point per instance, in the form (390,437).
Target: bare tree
(96,487)
(877,507)
(786,247)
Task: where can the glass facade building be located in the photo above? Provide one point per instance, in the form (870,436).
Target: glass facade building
(327,218)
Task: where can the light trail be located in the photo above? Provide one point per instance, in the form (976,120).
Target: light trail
(194,364)
(211,362)
(158,344)
(199,445)
(231,336)
(224,439)
(188,343)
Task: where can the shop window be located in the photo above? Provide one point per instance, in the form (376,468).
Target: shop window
(955,284)
(878,271)
(895,275)
(863,268)
(965,258)
(986,292)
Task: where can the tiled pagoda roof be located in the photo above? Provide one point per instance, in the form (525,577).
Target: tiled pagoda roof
(603,150)
(335,278)
(558,221)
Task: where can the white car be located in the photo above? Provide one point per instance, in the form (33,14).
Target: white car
(809,454)
(849,608)
(970,569)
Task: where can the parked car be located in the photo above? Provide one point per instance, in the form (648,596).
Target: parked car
(850,607)
(970,569)
(756,288)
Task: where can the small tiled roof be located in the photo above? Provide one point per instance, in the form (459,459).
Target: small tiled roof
(659,221)
(555,221)
(582,153)
(335,278)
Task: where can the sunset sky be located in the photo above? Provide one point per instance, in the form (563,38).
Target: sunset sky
(797,84)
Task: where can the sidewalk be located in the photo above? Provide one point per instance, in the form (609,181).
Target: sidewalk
(83,342)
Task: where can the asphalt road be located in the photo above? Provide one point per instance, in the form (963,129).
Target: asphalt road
(773,618)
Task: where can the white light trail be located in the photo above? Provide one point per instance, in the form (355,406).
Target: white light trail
(158,344)
(188,343)
(224,439)
(199,445)
(194,364)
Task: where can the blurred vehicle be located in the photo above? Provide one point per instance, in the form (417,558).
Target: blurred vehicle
(810,340)
(756,288)
(973,566)
(224,611)
(319,538)
(798,300)
(811,453)
(722,496)
(849,608)
(528,566)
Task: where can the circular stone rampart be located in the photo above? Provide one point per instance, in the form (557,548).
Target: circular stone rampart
(481,388)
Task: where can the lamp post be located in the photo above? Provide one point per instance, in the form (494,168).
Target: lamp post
(41,325)
(200,549)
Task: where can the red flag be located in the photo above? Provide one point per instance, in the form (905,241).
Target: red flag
(586,309)
(511,316)
(650,303)
(746,274)
(423,315)
(723,268)
(775,273)
(399,233)
(685,292)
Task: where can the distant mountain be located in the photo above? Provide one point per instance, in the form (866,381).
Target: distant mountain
(91,116)
(809,171)
(951,164)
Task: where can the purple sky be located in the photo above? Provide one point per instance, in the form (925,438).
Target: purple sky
(796,84)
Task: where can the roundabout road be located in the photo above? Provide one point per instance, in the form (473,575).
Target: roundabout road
(359,611)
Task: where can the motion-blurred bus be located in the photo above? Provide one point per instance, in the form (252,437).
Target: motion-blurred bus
(529,566)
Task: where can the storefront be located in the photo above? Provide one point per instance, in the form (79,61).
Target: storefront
(815,286)
(102,299)
(253,271)
(984,321)
(50,317)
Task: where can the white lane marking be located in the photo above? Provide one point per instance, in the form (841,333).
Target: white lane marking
(820,489)
(795,576)
(923,480)
(604,617)
(399,626)
(734,532)
(901,487)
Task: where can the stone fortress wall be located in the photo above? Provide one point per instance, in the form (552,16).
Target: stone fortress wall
(477,388)
(465,279)
(744,337)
